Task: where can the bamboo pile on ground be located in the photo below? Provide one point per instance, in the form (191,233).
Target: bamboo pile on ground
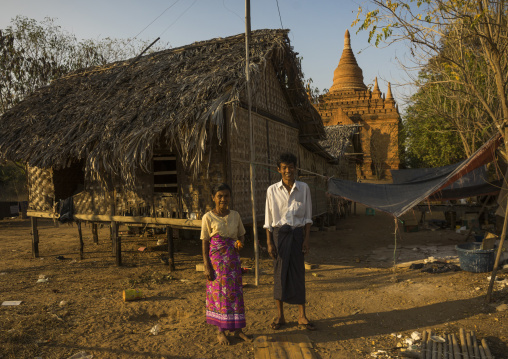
(448,347)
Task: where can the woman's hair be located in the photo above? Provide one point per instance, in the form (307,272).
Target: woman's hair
(286,158)
(220,187)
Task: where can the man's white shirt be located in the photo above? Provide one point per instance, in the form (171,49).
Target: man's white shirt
(293,208)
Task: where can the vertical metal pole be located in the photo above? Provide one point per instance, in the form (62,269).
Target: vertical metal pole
(252,154)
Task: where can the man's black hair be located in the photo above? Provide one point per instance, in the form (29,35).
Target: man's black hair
(287,158)
(220,187)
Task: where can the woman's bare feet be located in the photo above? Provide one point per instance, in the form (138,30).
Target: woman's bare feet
(223,340)
(240,334)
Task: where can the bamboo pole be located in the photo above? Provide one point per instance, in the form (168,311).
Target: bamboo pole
(482,353)
(252,152)
(430,345)
(475,345)
(439,350)
(424,344)
(450,347)
(503,236)
(465,354)
(456,348)
(488,354)
(445,347)
(469,343)
(81,244)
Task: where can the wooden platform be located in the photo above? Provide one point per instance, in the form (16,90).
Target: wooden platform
(291,346)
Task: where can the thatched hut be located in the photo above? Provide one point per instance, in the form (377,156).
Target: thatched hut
(144,140)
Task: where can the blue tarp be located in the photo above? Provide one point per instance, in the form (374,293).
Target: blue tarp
(398,198)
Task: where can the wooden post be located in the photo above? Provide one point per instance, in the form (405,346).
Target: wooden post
(95,233)
(35,238)
(251,128)
(81,244)
(117,244)
(171,248)
(465,353)
(113,237)
(503,235)
(475,345)
(488,354)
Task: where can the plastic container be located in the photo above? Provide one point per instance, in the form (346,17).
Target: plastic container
(131,294)
(474,259)
(370,211)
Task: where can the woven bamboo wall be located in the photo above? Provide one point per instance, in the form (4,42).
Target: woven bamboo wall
(268,95)
(41,192)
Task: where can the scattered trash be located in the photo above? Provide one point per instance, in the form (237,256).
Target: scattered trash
(437,339)
(11,302)
(141,249)
(416,336)
(131,294)
(155,329)
(378,353)
(60,258)
(3,273)
(501,308)
(63,303)
(316,275)
(200,267)
(42,279)
(184,280)
(81,355)
(161,242)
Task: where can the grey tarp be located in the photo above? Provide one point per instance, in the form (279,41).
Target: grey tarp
(399,198)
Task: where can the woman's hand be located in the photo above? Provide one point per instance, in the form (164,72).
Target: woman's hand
(209,272)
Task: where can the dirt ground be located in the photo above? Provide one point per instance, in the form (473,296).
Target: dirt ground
(359,301)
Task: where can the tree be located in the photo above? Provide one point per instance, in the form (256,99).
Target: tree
(462,45)
(33,54)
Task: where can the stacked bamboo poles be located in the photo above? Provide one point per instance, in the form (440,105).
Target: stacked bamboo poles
(448,347)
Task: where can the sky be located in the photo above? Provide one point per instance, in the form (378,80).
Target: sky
(317,29)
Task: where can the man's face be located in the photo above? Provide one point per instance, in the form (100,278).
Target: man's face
(287,170)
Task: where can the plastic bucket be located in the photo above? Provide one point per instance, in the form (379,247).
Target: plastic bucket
(474,259)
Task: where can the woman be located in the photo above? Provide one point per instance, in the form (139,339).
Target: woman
(222,233)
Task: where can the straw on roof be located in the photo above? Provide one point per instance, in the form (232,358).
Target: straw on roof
(112,116)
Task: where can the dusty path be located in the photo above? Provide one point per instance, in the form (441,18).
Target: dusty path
(355,297)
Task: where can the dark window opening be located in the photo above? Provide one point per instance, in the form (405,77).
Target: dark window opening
(69,181)
(165,177)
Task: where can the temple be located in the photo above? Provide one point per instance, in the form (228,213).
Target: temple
(350,102)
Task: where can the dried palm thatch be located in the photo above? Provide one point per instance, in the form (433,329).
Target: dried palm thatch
(338,139)
(113,116)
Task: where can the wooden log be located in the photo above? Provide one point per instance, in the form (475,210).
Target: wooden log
(469,343)
(475,346)
(463,343)
(81,244)
(35,238)
(95,232)
(445,347)
(456,348)
(488,354)
(171,248)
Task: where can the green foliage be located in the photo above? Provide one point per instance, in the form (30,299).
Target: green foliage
(32,54)
(11,172)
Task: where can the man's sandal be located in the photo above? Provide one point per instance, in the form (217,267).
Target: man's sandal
(308,326)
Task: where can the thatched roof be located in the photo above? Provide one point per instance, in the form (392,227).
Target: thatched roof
(112,116)
(338,139)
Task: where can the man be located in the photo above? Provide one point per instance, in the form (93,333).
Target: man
(287,221)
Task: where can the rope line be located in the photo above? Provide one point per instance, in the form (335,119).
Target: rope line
(281,26)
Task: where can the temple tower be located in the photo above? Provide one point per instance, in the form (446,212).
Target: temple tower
(350,102)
